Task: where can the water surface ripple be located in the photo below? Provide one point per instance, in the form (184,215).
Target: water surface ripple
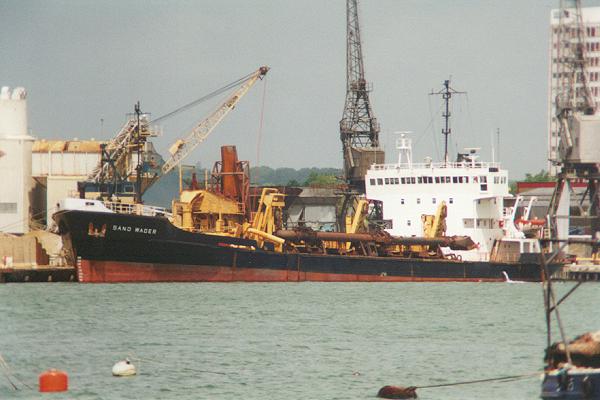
(281,341)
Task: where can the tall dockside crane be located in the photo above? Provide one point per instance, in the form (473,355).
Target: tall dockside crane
(359,130)
(579,125)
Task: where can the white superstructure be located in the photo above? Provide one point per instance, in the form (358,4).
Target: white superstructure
(473,191)
(15,161)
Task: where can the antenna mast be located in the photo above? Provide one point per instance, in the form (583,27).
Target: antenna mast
(446,93)
(359,130)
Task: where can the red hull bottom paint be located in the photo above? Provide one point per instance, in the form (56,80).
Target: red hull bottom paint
(125,272)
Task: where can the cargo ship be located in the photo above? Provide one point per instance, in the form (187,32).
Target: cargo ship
(215,235)
(113,247)
(219,234)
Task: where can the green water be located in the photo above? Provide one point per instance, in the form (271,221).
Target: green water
(281,341)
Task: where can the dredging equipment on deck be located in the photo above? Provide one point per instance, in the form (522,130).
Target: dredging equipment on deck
(453,242)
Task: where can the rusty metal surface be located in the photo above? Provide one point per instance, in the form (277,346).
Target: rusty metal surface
(454,242)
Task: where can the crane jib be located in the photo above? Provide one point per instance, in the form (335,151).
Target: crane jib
(201,131)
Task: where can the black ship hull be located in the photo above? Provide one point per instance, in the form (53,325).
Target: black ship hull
(109,247)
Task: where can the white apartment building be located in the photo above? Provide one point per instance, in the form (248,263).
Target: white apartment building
(591,22)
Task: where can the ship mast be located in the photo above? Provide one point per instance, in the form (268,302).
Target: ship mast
(446,94)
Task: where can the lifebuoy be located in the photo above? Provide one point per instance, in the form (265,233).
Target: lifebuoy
(532,222)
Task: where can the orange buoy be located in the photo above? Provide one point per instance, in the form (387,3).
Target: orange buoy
(53,380)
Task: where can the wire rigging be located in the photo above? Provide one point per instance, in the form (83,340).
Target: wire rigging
(260,129)
(203,98)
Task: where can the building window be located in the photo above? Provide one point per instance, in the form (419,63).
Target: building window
(403,180)
(451,200)
(387,181)
(396,181)
(433,200)
(418,201)
(468,223)
(8,208)
(412,180)
(408,222)
(372,181)
(379,181)
(454,179)
(401,201)
(420,179)
(437,179)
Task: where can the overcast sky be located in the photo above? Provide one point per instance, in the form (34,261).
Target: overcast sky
(86,61)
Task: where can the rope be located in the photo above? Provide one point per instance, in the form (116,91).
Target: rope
(259,134)
(9,374)
(502,379)
(134,357)
(41,213)
(431,121)
(203,98)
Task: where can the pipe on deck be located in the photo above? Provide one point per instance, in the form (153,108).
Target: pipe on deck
(454,242)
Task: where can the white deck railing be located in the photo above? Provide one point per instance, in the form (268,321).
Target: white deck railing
(138,209)
(438,165)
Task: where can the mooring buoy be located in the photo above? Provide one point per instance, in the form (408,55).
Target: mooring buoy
(124,368)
